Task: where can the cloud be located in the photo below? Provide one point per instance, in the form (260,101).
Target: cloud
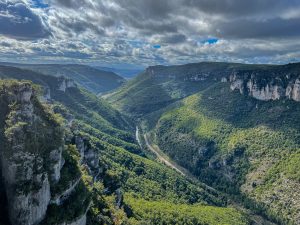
(270,28)
(176,21)
(17,20)
(237,8)
(126,31)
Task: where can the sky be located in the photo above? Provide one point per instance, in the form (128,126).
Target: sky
(139,33)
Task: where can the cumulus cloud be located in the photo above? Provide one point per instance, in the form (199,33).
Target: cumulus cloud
(125,31)
(17,20)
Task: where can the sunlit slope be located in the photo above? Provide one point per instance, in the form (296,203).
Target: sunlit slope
(158,86)
(238,145)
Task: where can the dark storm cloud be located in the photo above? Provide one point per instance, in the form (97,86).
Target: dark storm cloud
(272,28)
(152,27)
(79,26)
(147,17)
(71,3)
(240,7)
(153,10)
(227,18)
(173,39)
(17,20)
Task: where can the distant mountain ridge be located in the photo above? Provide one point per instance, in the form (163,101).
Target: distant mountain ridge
(126,73)
(92,79)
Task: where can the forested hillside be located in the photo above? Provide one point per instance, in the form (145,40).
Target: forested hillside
(92,79)
(102,175)
(234,126)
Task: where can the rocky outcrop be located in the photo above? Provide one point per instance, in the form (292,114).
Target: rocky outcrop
(57,162)
(26,180)
(119,198)
(29,208)
(60,198)
(42,178)
(31,156)
(27,201)
(266,88)
(223,79)
(65,83)
(268,92)
(88,155)
(46,95)
(293,90)
(79,141)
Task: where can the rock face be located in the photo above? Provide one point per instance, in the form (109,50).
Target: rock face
(88,155)
(59,200)
(223,79)
(266,88)
(293,90)
(65,83)
(57,162)
(25,178)
(46,94)
(30,156)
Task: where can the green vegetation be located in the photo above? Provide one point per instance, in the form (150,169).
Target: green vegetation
(94,80)
(244,147)
(19,130)
(160,86)
(95,112)
(151,180)
(74,207)
(240,146)
(236,143)
(70,171)
(109,132)
(163,212)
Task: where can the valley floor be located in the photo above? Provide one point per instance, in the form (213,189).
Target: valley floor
(162,157)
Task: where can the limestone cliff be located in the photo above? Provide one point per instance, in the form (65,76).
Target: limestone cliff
(265,87)
(31,156)
(59,84)
(65,83)
(24,155)
(88,155)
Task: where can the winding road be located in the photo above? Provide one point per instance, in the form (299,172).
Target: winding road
(256,219)
(160,156)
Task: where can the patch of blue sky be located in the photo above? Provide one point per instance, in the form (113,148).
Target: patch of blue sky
(210,41)
(39,4)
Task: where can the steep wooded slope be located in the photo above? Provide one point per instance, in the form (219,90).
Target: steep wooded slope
(234,126)
(92,79)
(100,148)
